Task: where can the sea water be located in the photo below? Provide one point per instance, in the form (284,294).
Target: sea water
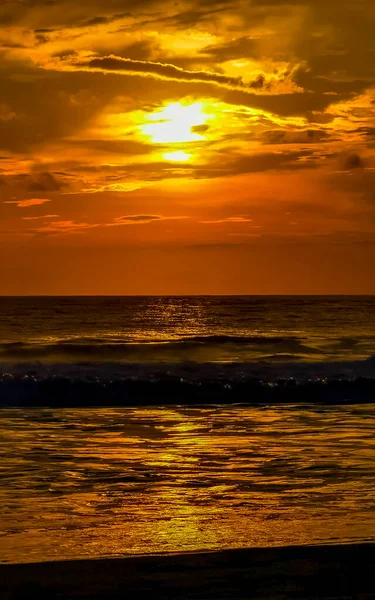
(138,425)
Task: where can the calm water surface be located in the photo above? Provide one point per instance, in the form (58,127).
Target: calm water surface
(108,482)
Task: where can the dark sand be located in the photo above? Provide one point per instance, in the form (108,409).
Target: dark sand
(345,571)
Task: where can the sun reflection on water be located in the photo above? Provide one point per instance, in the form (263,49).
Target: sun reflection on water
(108,482)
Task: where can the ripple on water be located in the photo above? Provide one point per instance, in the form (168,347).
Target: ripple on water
(108,482)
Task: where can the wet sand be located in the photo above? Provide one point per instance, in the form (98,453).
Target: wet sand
(344,571)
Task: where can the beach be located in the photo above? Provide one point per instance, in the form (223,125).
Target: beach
(187,448)
(328,572)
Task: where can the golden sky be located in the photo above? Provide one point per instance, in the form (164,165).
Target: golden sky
(187,147)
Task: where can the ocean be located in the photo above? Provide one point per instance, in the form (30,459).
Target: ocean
(167,424)
(81,351)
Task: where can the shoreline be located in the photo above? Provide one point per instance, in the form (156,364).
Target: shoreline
(326,571)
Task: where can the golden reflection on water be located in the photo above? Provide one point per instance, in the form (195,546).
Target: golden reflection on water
(106,482)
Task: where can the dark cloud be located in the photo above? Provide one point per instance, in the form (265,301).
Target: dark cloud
(44,182)
(191,18)
(239,165)
(367,132)
(41,39)
(344,88)
(166,71)
(351,161)
(198,14)
(69,52)
(140,50)
(123,147)
(333,49)
(359,186)
(58,14)
(47,108)
(6,19)
(238,48)
(279,136)
(33,182)
(103,20)
(199,128)
(233,165)
(309,105)
(96,21)
(11,45)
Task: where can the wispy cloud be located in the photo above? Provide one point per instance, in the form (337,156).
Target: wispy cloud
(168,72)
(133,219)
(27,203)
(138,219)
(69,226)
(41,217)
(239,219)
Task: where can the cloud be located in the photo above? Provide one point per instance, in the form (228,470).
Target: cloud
(44,182)
(239,219)
(101,20)
(6,19)
(351,161)
(138,50)
(138,218)
(40,217)
(27,203)
(82,127)
(120,187)
(164,71)
(32,182)
(239,47)
(133,219)
(358,184)
(240,164)
(111,146)
(46,106)
(279,136)
(6,114)
(225,163)
(91,22)
(68,226)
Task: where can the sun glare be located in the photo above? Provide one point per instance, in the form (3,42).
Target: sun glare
(176,123)
(179,156)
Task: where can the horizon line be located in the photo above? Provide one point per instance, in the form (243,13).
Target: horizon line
(312,295)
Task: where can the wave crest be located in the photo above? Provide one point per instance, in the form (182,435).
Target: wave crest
(115,384)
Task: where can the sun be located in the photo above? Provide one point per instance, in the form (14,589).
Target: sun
(178,156)
(177,123)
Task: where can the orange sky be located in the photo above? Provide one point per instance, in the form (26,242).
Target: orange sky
(188,147)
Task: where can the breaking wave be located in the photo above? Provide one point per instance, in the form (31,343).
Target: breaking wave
(128,384)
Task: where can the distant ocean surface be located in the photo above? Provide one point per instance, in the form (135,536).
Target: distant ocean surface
(138,425)
(113,350)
